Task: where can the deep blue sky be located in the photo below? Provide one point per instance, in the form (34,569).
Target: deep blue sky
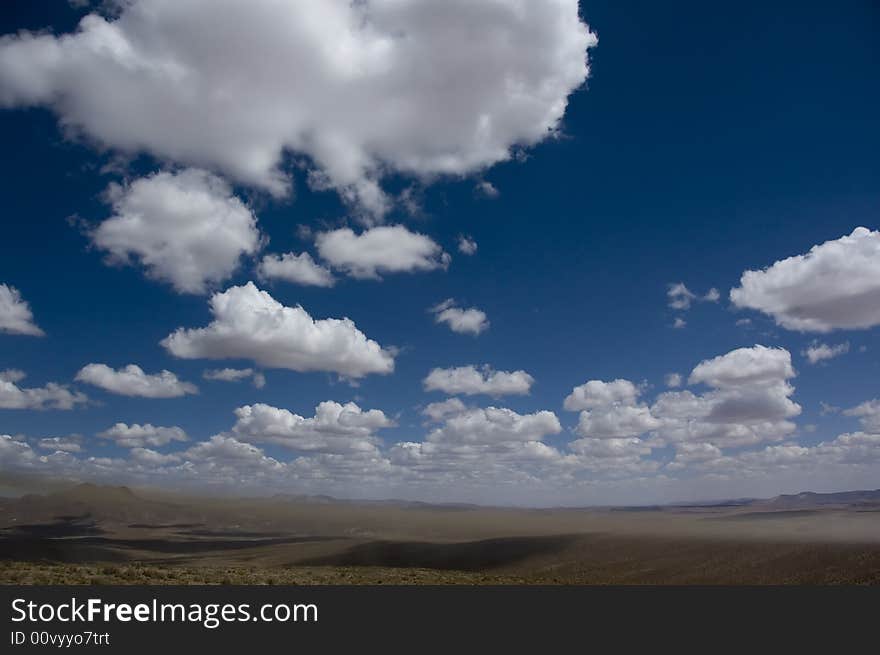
(710,139)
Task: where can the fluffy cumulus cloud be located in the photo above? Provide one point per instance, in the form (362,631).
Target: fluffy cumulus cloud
(868,413)
(819,352)
(463,321)
(470,381)
(758,365)
(748,401)
(444,408)
(296,268)
(50,396)
(483,445)
(596,393)
(836,285)
(495,424)
(15,314)
(131,380)
(359,89)
(250,324)
(611,425)
(184,228)
(142,436)
(380,250)
(335,428)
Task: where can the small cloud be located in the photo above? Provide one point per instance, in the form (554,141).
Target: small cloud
(486,189)
(673,380)
(467,245)
(825,409)
(680,297)
(464,321)
(818,352)
(679,323)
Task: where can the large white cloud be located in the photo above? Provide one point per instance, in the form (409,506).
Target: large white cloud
(482,445)
(251,324)
(50,396)
(379,250)
(141,436)
(131,380)
(744,367)
(470,381)
(335,428)
(836,285)
(185,228)
(463,321)
(610,410)
(360,88)
(749,401)
(15,314)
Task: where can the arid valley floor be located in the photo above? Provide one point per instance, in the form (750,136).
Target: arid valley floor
(89,534)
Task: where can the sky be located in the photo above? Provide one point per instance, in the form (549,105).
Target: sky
(533,253)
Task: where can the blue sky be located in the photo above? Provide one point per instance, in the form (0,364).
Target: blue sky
(706,142)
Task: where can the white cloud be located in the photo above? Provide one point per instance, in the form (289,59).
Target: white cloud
(868,413)
(51,396)
(379,250)
(750,401)
(185,228)
(226,457)
(482,446)
(469,380)
(250,324)
(744,366)
(679,323)
(360,89)
(495,424)
(228,374)
(679,296)
(71,444)
(335,428)
(141,436)
(467,245)
(235,375)
(672,380)
(443,409)
(836,285)
(486,189)
(463,321)
(596,393)
(15,313)
(712,295)
(616,422)
(817,352)
(131,380)
(299,269)
(12,375)
(148,457)
(610,410)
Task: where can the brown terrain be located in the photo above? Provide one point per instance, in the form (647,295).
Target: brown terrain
(88,534)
